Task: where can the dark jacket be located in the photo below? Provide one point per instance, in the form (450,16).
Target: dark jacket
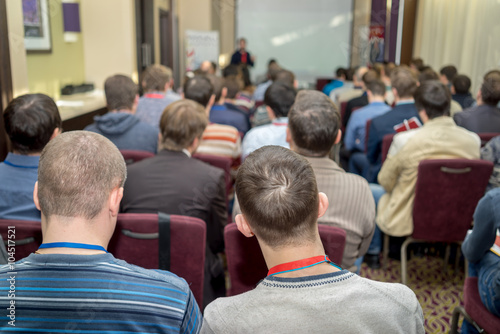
(483,118)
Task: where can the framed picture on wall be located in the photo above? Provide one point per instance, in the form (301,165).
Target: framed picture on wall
(36,26)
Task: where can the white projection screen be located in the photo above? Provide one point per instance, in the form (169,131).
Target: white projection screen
(309,37)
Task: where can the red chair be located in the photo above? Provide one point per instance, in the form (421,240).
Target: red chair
(169,242)
(246,265)
(28,236)
(386,145)
(343,108)
(132,156)
(367,134)
(487,136)
(446,194)
(322,82)
(474,310)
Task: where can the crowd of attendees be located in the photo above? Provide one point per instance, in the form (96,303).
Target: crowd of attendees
(282,144)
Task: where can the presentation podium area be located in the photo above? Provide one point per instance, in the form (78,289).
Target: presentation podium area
(78,110)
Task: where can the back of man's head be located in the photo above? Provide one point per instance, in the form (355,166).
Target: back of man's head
(490,89)
(404,81)
(217,84)
(427,74)
(181,123)
(359,72)
(388,68)
(285,76)
(198,89)
(120,92)
(280,98)
(234,85)
(273,70)
(449,72)
(156,77)
(341,73)
(77,172)
(417,63)
(376,87)
(369,76)
(461,84)
(278,196)
(30,121)
(231,70)
(314,123)
(433,97)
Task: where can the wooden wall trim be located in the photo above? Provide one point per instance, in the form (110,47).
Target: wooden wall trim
(409,22)
(5,76)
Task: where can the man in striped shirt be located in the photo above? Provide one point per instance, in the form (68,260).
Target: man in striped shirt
(72,284)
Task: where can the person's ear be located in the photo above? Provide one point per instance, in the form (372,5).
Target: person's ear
(270,113)
(395,92)
(243,226)
(323,204)
(57,132)
(114,201)
(182,95)
(423,115)
(223,93)
(35,196)
(339,137)
(288,135)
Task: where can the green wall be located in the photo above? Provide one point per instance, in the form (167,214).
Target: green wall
(48,72)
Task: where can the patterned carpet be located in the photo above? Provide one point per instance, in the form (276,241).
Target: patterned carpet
(437,290)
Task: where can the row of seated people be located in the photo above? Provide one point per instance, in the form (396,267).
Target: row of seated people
(82,178)
(314,144)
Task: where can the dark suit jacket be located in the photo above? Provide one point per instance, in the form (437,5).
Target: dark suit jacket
(359,101)
(236,58)
(173,183)
(383,125)
(483,118)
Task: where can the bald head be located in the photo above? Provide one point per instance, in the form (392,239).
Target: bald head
(77,172)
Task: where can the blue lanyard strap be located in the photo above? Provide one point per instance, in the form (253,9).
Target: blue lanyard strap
(18,166)
(72,245)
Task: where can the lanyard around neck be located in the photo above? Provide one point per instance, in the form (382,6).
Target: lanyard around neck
(72,245)
(154,96)
(300,264)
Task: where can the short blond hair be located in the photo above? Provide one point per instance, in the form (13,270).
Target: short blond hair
(181,123)
(156,77)
(77,172)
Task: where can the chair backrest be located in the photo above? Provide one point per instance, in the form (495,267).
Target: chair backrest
(26,234)
(223,163)
(487,136)
(446,194)
(132,156)
(136,240)
(386,145)
(343,109)
(367,134)
(247,266)
(322,82)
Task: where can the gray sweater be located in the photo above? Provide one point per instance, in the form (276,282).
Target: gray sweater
(340,302)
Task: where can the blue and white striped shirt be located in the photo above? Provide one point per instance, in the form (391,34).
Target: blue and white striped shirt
(61,293)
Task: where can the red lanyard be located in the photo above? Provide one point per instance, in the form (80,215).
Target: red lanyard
(154,96)
(300,264)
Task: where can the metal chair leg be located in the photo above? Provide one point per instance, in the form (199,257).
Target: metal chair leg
(386,251)
(456,315)
(404,264)
(446,257)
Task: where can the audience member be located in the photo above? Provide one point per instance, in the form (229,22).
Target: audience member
(428,74)
(447,73)
(361,100)
(227,113)
(279,99)
(485,116)
(272,70)
(209,67)
(244,99)
(313,129)
(71,283)
(347,86)
(120,125)
(280,206)
(417,64)
(438,138)
(217,139)
(356,90)
(355,140)
(340,77)
(157,83)
(484,261)
(261,78)
(491,152)
(231,70)
(30,122)
(404,85)
(386,78)
(234,85)
(461,91)
(242,56)
(174,183)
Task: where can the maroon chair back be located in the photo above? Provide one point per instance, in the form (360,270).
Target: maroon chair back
(223,163)
(247,266)
(343,108)
(132,156)
(136,240)
(322,82)
(446,195)
(367,134)
(386,145)
(27,236)
(476,309)
(487,136)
